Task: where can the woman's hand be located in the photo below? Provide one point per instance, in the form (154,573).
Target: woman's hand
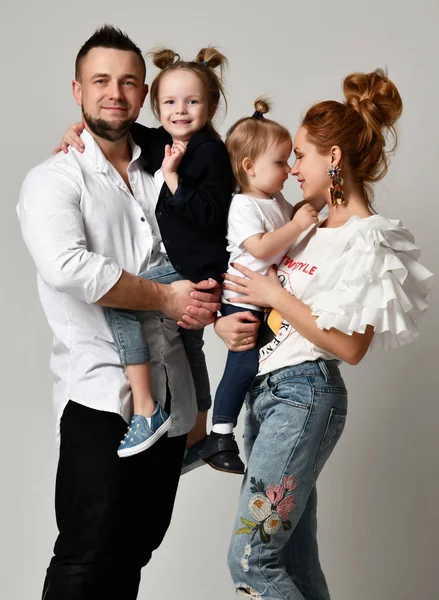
(238,331)
(254,288)
(71,138)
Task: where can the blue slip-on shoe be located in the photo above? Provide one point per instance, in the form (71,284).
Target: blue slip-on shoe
(141,436)
(192,458)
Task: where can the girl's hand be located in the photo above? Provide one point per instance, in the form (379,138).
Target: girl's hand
(238,331)
(173,156)
(71,138)
(254,288)
(306,216)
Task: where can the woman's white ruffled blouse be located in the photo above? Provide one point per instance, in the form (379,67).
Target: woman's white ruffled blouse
(376,281)
(363,273)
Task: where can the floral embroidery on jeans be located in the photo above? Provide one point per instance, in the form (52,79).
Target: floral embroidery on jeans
(270,507)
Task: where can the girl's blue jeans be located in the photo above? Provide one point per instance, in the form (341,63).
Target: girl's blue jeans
(295,416)
(133,349)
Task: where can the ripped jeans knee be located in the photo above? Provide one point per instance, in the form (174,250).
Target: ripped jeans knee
(243,571)
(246,590)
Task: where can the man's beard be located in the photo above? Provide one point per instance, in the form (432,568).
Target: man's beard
(107,130)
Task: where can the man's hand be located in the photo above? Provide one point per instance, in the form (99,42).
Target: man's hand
(193,305)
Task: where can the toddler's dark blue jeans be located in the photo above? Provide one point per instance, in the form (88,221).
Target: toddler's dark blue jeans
(241,368)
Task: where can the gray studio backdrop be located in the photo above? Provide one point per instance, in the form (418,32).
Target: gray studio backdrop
(379,493)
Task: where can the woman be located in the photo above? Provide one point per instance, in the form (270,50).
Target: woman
(350,283)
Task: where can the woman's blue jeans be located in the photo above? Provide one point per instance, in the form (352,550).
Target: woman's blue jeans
(295,416)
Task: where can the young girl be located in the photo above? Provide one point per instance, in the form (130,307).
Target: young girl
(195,183)
(193,173)
(260,231)
(357,284)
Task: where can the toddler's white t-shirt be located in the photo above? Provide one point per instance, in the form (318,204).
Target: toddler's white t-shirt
(249,216)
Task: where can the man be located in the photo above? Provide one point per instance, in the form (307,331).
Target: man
(88,222)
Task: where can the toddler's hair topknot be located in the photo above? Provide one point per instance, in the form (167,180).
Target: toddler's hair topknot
(250,137)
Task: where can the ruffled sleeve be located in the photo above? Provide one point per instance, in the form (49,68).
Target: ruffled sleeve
(377,280)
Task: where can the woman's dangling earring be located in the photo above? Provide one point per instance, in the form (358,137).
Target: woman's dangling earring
(336,190)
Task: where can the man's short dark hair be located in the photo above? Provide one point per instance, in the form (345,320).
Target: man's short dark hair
(107,36)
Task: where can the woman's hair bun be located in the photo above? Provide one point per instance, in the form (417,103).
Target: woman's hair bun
(164,57)
(374,96)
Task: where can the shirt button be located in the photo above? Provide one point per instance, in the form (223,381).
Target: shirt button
(159,215)
(142,219)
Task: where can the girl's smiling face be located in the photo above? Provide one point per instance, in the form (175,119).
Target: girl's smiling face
(182,103)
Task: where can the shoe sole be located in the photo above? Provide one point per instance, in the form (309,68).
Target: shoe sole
(222,470)
(192,466)
(186,468)
(147,443)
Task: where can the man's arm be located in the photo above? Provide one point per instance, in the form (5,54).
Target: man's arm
(173,300)
(53,230)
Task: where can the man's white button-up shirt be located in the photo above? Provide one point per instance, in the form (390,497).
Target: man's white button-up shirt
(82,226)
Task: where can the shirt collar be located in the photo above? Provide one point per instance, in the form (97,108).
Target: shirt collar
(97,157)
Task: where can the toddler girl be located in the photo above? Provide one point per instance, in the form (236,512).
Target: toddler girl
(260,231)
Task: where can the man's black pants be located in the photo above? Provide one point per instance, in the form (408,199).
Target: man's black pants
(111,512)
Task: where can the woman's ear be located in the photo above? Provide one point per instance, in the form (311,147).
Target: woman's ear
(336,155)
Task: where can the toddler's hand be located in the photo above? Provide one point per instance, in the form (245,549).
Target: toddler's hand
(173,156)
(306,216)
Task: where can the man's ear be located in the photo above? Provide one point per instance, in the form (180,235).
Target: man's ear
(77,92)
(144,92)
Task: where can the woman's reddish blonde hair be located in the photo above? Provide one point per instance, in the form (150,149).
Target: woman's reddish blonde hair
(360,126)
